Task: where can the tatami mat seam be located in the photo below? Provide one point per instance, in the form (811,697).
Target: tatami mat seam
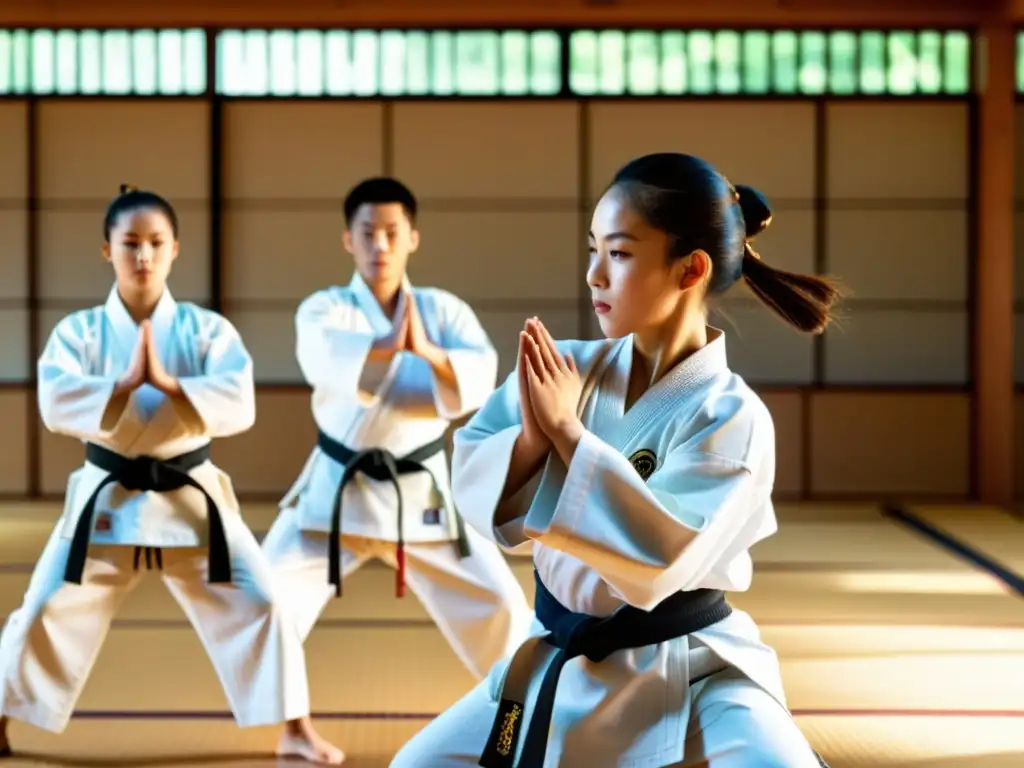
(949,542)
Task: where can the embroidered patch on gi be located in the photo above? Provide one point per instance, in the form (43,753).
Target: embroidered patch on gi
(432,516)
(103,524)
(644,462)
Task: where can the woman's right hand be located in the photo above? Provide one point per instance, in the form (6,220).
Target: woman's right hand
(532,447)
(532,435)
(386,347)
(138,369)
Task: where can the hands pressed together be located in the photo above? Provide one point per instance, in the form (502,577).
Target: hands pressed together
(549,393)
(549,383)
(409,335)
(146,368)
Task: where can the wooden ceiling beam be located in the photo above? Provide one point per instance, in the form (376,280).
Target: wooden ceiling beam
(505,13)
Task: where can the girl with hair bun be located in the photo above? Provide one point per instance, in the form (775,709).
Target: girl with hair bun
(654,465)
(146,383)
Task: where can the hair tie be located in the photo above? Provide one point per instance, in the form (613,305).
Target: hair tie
(126,188)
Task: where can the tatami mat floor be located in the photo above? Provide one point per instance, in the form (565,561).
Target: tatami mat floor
(895,652)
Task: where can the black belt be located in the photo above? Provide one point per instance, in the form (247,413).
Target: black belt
(144,473)
(577,634)
(151,553)
(378,464)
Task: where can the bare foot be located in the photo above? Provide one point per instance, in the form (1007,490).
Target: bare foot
(300,739)
(5,745)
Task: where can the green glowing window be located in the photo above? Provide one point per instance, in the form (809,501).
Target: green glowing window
(390,63)
(751,62)
(487,63)
(1020,61)
(144,62)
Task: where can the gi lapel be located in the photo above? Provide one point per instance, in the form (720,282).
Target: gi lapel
(168,340)
(670,391)
(148,409)
(119,338)
(380,324)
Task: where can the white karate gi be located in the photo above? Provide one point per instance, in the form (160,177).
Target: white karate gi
(399,406)
(50,643)
(602,537)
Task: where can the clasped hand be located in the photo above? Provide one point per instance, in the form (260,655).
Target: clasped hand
(146,367)
(549,391)
(409,336)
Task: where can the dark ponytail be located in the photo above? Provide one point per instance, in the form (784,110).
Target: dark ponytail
(803,301)
(698,209)
(131,199)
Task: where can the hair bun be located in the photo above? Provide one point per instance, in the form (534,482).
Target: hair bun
(757,214)
(126,188)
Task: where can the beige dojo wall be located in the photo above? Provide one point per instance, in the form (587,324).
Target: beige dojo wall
(15,352)
(1019,293)
(505,203)
(505,189)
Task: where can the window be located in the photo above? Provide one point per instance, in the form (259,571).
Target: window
(144,62)
(751,62)
(487,63)
(365,63)
(1020,62)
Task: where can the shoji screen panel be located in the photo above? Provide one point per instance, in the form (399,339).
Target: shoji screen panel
(287,168)
(500,221)
(897,236)
(16,401)
(1019,236)
(15,356)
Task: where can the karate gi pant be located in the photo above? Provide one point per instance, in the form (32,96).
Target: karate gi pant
(733,724)
(476,602)
(50,643)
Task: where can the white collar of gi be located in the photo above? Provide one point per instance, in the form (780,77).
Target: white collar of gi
(698,370)
(379,322)
(703,365)
(127,330)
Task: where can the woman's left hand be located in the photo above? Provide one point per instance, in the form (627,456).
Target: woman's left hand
(555,387)
(157,375)
(416,340)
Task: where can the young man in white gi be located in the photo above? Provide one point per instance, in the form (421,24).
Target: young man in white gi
(391,366)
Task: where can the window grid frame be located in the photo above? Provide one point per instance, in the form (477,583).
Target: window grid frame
(564,89)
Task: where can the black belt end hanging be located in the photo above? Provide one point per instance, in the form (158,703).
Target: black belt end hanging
(500,751)
(377,464)
(462,540)
(334,545)
(74,571)
(152,553)
(334,568)
(219,555)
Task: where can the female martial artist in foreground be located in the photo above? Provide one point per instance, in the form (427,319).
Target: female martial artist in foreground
(657,464)
(146,383)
